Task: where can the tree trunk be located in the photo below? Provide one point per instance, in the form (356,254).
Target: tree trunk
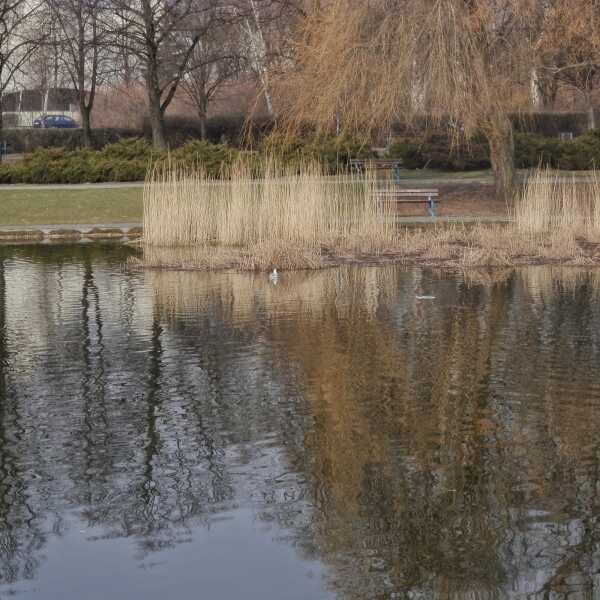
(543,90)
(502,153)
(86,124)
(157,119)
(535,89)
(591,117)
(203,132)
(1,128)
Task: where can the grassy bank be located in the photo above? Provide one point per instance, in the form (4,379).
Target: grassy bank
(26,207)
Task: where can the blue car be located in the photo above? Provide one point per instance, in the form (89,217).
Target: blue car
(55,121)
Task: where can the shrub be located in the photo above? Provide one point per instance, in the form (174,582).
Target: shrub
(581,153)
(212,158)
(332,152)
(126,160)
(129,149)
(410,152)
(550,124)
(438,151)
(532,151)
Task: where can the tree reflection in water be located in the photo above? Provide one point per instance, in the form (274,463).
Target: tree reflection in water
(447,449)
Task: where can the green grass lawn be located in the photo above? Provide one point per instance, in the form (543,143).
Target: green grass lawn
(59,206)
(22,206)
(434,174)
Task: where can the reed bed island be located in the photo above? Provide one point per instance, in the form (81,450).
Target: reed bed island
(298,218)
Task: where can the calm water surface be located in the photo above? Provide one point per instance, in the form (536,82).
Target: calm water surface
(185,436)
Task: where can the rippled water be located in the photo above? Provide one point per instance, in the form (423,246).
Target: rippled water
(184,435)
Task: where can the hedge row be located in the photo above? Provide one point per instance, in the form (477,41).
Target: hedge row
(130,159)
(127,160)
(234,130)
(231,129)
(531,151)
(548,124)
(25,140)
(334,153)
(579,154)
(438,151)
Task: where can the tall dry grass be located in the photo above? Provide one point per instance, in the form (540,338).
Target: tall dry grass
(294,206)
(299,218)
(555,204)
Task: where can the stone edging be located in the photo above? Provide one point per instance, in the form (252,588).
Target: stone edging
(50,233)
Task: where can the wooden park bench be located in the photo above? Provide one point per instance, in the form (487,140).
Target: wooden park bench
(361,165)
(430,197)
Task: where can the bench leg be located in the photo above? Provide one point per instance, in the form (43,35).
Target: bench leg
(431,206)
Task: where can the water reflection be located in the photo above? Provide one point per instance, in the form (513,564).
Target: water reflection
(396,447)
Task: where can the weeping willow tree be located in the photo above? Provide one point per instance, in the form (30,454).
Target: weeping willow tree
(376,62)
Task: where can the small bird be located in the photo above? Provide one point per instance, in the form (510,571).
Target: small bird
(274,276)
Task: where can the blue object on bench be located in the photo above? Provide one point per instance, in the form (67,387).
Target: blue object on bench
(431,206)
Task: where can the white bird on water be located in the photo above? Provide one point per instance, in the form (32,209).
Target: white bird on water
(274,276)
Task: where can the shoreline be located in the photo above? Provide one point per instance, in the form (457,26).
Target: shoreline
(421,249)
(224,259)
(23,234)
(370,261)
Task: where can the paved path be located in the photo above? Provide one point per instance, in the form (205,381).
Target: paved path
(16,187)
(450,219)
(406,182)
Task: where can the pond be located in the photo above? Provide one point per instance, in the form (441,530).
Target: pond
(351,433)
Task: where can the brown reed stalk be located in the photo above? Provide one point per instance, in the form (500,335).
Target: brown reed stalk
(288,205)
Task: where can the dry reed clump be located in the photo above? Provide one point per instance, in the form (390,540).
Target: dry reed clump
(299,205)
(288,219)
(553,203)
(281,255)
(303,220)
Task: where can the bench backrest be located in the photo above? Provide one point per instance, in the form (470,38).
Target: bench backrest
(376,162)
(408,193)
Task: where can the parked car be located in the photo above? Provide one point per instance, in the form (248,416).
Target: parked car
(55,121)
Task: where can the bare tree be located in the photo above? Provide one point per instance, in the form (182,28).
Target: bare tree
(83,38)
(216,61)
(570,48)
(20,24)
(265,28)
(164,34)
(44,70)
(543,85)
